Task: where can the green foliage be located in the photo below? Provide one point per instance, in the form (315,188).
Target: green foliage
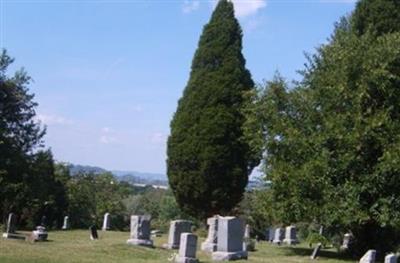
(90,196)
(256,207)
(28,185)
(208,159)
(332,142)
(315,238)
(377,16)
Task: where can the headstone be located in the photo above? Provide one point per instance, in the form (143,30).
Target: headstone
(66,223)
(369,257)
(176,228)
(106,222)
(247,231)
(391,258)
(290,236)
(321,230)
(187,249)
(210,244)
(316,251)
(346,241)
(278,237)
(140,231)
(230,239)
(93,232)
(40,234)
(248,244)
(270,234)
(10,229)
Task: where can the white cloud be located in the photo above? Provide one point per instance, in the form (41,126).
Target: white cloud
(107,139)
(50,119)
(244,8)
(106,129)
(190,6)
(107,136)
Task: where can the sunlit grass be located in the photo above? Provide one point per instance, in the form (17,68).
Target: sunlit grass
(75,246)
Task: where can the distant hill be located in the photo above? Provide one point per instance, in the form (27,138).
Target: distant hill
(132,177)
(142,178)
(77,168)
(148,176)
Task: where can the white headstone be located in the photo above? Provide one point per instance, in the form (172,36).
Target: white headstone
(40,234)
(391,258)
(278,237)
(290,236)
(140,231)
(316,251)
(248,244)
(66,223)
(106,222)
(10,228)
(346,241)
(187,249)
(230,239)
(210,244)
(369,257)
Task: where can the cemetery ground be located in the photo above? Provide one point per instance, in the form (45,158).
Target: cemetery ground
(75,246)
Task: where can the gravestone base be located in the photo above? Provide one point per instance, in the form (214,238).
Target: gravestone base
(249,245)
(290,241)
(170,246)
(179,259)
(140,242)
(222,256)
(278,242)
(14,236)
(40,234)
(208,247)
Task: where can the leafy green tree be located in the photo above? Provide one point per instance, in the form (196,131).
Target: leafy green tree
(377,16)
(332,142)
(90,196)
(208,158)
(28,184)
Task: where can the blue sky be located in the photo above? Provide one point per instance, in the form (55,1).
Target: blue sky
(108,74)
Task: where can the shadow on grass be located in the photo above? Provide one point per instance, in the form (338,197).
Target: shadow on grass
(302,251)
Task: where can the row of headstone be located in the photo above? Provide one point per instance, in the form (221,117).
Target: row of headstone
(280,235)
(370,257)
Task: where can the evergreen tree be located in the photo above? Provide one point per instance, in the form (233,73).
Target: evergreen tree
(208,159)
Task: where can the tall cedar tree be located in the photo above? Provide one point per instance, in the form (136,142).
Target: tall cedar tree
(208,159)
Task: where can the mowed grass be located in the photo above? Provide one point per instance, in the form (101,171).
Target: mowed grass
(75,246)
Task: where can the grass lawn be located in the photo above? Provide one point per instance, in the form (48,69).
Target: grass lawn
(75,246)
